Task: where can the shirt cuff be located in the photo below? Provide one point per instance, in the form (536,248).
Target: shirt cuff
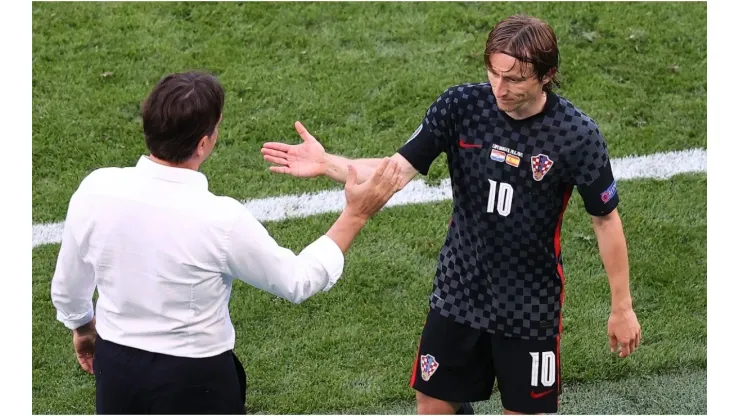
(330,256)
(75,322)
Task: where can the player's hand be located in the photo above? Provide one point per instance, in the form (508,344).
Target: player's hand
(366,199)
(83,339)
(304,160)
(624,332)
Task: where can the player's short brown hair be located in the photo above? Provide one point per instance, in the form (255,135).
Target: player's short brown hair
(180,110)
(529,40)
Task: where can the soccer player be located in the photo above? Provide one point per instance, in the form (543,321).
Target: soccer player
(515,151)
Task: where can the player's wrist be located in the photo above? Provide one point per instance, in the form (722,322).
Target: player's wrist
(621,304)
(334,167)
(324,164)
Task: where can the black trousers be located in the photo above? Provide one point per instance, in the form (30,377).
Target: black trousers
(133,381)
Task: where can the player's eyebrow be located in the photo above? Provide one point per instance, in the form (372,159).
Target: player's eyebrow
(511,75)
(501,71)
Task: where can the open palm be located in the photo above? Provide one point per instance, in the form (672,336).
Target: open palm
(302,160)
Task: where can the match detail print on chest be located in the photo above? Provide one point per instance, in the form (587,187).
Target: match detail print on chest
(506,154)
(504,167)
(490,154)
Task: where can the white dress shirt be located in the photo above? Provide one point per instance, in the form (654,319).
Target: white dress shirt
(163,252)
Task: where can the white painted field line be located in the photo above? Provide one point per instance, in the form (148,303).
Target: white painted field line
(654,166)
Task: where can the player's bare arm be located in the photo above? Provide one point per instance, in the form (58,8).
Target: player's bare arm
(336,168)
(309,159)
(623,328)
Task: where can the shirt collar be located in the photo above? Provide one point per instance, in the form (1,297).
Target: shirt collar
(171,174)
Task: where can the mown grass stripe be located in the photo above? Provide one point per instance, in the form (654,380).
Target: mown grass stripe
(656,166)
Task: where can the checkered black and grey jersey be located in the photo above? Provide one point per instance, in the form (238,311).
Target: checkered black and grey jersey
(500,267)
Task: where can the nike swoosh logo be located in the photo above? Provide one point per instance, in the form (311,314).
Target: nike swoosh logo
(469,145)
(538,395)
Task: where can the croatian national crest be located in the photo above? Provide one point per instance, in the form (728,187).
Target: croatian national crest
(428,366)
(541,164)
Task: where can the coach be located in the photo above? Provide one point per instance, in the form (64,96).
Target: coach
(163,251)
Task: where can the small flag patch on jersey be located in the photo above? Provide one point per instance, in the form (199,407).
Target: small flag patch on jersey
(541,164)
(428,366)
(497,155)
(512,160)
(607,195)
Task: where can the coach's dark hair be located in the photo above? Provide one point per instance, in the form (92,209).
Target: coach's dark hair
(527,39)
(180,110)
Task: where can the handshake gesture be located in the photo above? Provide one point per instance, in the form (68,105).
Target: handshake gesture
(369,184)
(367,198)
(366,191)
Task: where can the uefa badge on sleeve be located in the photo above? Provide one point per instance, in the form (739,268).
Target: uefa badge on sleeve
(428,366)
(541,164)
(607,195)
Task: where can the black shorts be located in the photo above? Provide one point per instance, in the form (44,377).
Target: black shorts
(457,363)
(133,381)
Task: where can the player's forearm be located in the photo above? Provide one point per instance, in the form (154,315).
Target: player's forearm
(336,167)
(613,250)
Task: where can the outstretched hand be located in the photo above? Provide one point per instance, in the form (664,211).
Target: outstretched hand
(304,160)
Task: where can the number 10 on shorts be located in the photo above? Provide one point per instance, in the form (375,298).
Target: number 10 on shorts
(547,375)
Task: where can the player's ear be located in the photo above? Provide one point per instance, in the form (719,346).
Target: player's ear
(549,76)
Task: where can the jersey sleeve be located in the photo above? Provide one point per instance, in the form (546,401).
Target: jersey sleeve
(591,172)
(433,135)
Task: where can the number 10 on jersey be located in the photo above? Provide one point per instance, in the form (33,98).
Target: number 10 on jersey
(499,198)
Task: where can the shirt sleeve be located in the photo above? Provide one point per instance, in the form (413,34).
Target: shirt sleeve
(73,283)
(591,172)
(434,134)
(255,258)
